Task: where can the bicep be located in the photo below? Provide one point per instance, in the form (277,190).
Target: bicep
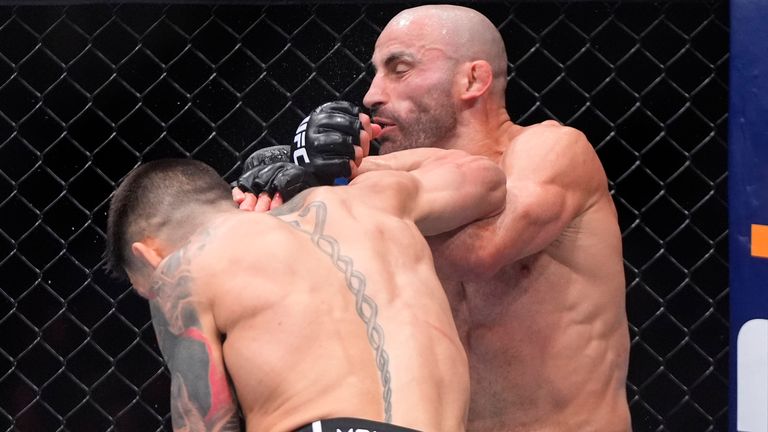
(201,394)
(552,177)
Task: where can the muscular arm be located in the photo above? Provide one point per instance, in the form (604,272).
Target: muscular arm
(407,160)
(202,398)
(553,176)
(439,189)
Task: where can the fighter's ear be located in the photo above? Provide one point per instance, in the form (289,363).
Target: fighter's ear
(478,79)
(148,252)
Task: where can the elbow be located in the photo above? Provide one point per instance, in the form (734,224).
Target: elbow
(485,260)
(497,195)
(490,173)
(490,179)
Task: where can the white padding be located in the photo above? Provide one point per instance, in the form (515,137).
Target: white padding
(752,377)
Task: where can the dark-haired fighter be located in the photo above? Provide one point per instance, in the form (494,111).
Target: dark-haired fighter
(326,308)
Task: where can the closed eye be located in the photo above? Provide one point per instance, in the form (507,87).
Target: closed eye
(400,68)
(398,63)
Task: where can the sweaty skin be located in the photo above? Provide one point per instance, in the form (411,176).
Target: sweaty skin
(331,308)
(537,292)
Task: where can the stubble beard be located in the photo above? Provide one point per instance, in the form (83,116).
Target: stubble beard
(432,126)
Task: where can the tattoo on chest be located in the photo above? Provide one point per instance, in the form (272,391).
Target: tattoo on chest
(365,307)
(201,398)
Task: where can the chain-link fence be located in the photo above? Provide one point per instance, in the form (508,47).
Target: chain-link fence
(87,92)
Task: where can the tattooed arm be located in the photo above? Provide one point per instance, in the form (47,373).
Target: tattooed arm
(202,397)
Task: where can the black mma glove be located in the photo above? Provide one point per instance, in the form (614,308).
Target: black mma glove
(324,142)
(269,170)
(267,156)
(284,177)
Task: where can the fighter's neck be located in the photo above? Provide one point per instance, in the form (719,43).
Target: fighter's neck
(186,223)
(487,138)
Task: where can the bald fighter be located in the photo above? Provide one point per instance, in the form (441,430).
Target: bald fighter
(328,317)
(537,292)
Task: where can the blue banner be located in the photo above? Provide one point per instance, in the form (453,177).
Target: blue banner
(748,216)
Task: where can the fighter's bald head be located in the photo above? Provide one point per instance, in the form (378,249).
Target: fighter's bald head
(462,32)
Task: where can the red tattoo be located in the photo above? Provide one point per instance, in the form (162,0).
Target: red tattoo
(221,396)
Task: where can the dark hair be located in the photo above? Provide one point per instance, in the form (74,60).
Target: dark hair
(150,196)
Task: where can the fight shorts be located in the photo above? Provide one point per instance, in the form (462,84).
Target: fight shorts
(351,425)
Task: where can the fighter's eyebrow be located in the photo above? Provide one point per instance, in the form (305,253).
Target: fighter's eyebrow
(391,58)
(397,56)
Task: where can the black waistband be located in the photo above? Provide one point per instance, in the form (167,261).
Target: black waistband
(351,425)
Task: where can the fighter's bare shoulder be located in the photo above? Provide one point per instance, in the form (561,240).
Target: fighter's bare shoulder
(552,153)
(238,240)
(558,148)
(552,135)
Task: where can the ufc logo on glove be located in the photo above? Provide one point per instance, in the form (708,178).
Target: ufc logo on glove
(299,142)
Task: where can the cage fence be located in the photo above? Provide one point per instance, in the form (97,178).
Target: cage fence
(89,91)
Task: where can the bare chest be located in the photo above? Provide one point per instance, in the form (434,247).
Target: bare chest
(483,305)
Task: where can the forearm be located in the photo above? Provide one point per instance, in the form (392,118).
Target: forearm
(457,191)
(408,160)
(525,227)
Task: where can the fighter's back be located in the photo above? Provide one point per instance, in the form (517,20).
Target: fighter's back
(331,310)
